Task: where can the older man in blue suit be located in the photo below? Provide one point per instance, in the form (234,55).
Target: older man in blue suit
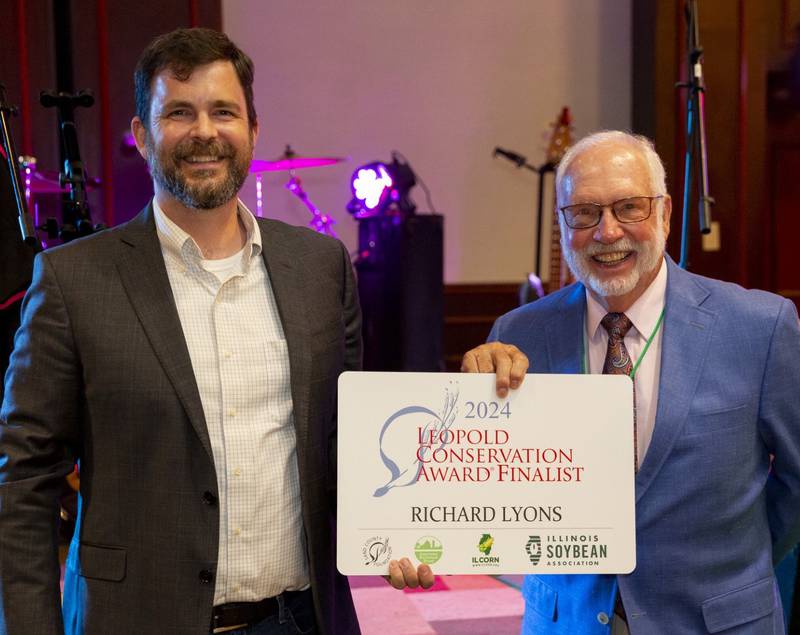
(716,371)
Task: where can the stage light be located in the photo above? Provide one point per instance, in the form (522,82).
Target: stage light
(382,189)
(369,187)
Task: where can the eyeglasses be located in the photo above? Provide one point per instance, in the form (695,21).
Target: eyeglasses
(626,210)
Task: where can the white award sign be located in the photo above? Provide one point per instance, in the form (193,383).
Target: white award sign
(435,467)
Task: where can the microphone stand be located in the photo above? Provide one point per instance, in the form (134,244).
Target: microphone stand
(25,221)
(76,219)
(533,281)
(695,136)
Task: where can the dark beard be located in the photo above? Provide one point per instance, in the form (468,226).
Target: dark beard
(201,193)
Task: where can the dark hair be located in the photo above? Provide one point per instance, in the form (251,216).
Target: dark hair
(183,50)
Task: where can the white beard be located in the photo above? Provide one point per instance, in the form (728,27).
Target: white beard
(648,255)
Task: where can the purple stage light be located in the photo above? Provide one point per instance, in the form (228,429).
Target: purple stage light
(370,184)
(382,189)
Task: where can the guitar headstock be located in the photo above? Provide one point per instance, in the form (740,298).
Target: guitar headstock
(560,142)
(560,138)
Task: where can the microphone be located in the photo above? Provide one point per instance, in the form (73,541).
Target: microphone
(511,156)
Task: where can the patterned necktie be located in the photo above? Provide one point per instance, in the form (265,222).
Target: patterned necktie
(618,362)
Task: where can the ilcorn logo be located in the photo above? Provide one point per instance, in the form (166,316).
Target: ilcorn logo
(485,545)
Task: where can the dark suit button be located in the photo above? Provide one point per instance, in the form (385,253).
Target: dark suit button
(206,576)
(209,498)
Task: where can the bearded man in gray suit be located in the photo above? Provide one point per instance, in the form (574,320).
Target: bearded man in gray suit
(188,361)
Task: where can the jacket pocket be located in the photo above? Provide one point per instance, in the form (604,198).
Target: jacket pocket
(540,597)
(714,421)
(102,563)
(740,606)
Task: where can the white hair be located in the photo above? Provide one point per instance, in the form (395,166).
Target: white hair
(655,168)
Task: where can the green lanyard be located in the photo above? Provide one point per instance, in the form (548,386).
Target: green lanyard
(641,357)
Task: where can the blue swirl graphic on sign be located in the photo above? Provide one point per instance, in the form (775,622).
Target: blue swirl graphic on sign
(405,476)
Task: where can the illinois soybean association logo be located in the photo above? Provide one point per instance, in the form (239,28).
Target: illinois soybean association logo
(485,545)
(376,551)
(534,549)
(428,549)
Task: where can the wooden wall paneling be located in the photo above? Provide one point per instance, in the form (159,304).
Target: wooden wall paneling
(10,63)
(86,76)
(669,103)
(783,13)
(735,37)
(107,38)
(130,29)
(194,18)
(106,136)
(645,29)
(469,312)
(779,25)
(791,21)
(207,13)
(752,177)
(720,38)
(786,205)
(23,85)
(658,38)
(784,209)
(676,51)
(783,156)
(27,67)
(41,76)
(742,166)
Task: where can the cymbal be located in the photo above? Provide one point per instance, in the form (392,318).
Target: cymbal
(46,182)
(293,163)
(290,161)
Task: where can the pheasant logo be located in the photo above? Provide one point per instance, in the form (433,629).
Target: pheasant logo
(402,460)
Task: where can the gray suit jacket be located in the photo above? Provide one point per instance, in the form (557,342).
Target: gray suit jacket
(101,374)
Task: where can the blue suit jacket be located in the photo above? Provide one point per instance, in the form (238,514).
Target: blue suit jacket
(711,517)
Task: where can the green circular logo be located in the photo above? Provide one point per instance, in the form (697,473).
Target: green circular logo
(428,549)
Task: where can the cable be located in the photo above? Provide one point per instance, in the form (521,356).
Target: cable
(395,155)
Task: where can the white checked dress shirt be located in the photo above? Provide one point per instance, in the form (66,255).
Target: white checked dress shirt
(644,314)
(241,365)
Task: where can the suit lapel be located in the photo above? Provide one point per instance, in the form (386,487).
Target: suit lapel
(283,267)
(144,276)
(565,333)
(685,344)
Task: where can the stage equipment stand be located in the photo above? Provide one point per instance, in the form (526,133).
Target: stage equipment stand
(400,285)
(696,155)
(560,141)
(18,242)
(76,220)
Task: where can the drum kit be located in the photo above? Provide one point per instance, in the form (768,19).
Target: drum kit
(38,182)
(289,161)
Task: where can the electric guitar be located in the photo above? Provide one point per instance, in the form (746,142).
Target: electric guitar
(560,141)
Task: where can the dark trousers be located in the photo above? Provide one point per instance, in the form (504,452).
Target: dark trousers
(295,616)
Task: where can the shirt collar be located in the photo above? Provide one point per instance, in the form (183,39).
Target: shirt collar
(181,247)
(643,313)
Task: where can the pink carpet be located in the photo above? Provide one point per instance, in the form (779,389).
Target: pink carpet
(455,605)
